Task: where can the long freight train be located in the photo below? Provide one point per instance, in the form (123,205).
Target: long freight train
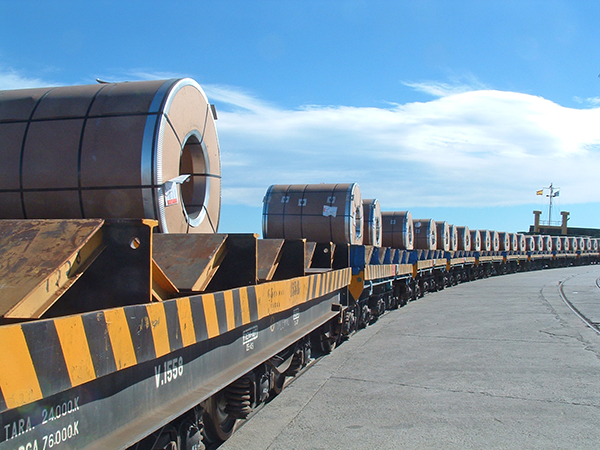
(127,321)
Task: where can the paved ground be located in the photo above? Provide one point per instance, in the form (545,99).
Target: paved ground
(500,363)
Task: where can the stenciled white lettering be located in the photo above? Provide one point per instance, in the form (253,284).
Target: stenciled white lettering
(17,428)
(169,371)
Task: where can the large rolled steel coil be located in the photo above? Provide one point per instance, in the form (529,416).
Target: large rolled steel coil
(581,244)
(495,237)
(453,238)
(574,243)
(425,234)
(398,230)
(547,243)
(486,240)
(505,241)
(588,244)
(464,238)
(557,243)
(539,243)
(522,242)
(443,235)
(316,212)
(476,240)
(595,244)
(564,244)
(514,242)
(372,222)
(144,149)
(531,243)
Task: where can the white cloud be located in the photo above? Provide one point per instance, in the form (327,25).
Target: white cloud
(468,148)
(11,79)
(592,101)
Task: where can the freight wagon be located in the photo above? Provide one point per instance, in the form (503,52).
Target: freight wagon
(127,321)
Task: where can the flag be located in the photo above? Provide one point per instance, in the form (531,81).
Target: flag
(540,192)
(556,194)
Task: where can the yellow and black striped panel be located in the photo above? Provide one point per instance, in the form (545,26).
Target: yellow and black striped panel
(377,272)
(42,358)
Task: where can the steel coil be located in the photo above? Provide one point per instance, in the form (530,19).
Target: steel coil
(397,230)
(453,238)
(522,242)
(464,238)
(574,244)
(547,243)
(514,242)
(495,239)
(443,235)
(556,243)
(505,241)
(122,150)
(531,243)
(476,240)
(486,240)
(425,234)
(372,222)
(315,212)
(539,243)
(565,244)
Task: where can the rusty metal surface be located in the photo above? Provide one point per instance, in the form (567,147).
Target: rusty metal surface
(162,287)
(189,260)
(269,254)
(309,251)
(41,259)
(121,275)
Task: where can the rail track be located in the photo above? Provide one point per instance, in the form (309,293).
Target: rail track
(595,326)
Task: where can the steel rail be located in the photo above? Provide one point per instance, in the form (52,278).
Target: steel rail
(578,313)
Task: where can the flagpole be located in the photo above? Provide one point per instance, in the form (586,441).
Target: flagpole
(550,206)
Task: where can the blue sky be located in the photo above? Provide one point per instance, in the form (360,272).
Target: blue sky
(457,111)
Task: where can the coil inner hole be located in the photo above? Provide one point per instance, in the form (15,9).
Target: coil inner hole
(194,191)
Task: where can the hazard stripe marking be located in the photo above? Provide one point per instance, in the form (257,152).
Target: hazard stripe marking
(173,328)
(245,306)
(186,322)
(47,356)
(221,312)
(142,340)
(237,308)
(75,349)
(158,325)
(100,346)
(210,314)
(229,309)
(95,344)
(19,384)
(120,338)
(252,303)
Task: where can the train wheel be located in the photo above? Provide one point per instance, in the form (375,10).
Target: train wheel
(190,432)
(328,339)
(418,291)
(219,425)
(278,382)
